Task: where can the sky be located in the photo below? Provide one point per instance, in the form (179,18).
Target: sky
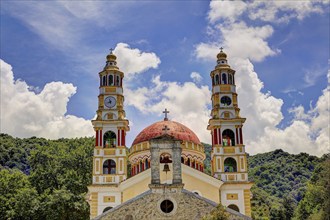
(52,51)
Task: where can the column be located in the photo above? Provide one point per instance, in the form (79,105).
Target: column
(176,151)
(155,175)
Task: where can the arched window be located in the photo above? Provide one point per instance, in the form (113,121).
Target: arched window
(188,162)
(234,207)
(224,78)
(230,79)
(146,164)
(230,165)
(213,80)
(216,79)
(182,160)
(228,138)
(109,167)
(141,166)
(104,83)
(117,80)
(107,209)
(110,80)
(109,139)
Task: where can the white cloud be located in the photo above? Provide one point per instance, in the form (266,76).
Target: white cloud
(25,113)
(308,131)
(132,61)
(284,11)
(271,11)
(241,41)
(187,103)
(312,75)
(196,77)
(228,10)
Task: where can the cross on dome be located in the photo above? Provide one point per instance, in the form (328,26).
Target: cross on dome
(165,112)
(221,48)
(111,49)
(165,129)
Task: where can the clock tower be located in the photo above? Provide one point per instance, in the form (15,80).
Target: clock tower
(110,125)
(229,159)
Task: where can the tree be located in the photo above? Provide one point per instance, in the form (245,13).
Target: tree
(18,199)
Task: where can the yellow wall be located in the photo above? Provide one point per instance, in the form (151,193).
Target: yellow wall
(208,191)
(136,189)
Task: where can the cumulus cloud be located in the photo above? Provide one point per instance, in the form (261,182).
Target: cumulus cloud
(230,10)
(270,11)
(25,113)
(307,132)
(240,41)
(196,77)
(187,102)
(133,61)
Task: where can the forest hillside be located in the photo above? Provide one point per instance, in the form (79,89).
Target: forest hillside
(48,179)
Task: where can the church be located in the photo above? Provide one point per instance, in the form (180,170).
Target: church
(161,176)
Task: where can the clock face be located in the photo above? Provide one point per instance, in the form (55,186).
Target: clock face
(225,100)
(110,102)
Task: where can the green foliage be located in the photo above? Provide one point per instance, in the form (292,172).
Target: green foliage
(18,199)
(316,202)
(280,181)
(207,161)
(60,172)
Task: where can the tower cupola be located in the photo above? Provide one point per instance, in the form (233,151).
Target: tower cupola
(111,62)
(222,58)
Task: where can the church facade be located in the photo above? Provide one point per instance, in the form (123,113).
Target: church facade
(166,159)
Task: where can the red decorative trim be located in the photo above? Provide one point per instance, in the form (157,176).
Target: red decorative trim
(101,138)
(241,135)
(123,137)
(216,136)
(237,141)
(97,138)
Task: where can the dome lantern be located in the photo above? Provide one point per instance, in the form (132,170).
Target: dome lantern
(222,57)
(111,60)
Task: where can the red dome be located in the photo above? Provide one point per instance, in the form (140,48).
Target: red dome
(176,130)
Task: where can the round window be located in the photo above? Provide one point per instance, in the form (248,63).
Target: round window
(225,100)
(167,206)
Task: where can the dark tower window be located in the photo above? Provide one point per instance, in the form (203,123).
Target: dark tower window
(110,80)
(230,165)
(109,167)
(228,138)
(109,139)
(224,78)
(230,79)
(107,209)
(225,100)
(216,79)
(104,83)
(234,207)
(167,206)
(117,80)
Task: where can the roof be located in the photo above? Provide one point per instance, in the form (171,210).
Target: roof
(174,129)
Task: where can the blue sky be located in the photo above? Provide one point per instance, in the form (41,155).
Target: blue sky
(280,50)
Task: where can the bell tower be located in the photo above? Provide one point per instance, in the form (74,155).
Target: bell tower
(229,159)
(110,125)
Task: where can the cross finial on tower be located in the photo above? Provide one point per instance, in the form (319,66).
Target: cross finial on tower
(165,129)
(165,112)
(221,48)
(111,49)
